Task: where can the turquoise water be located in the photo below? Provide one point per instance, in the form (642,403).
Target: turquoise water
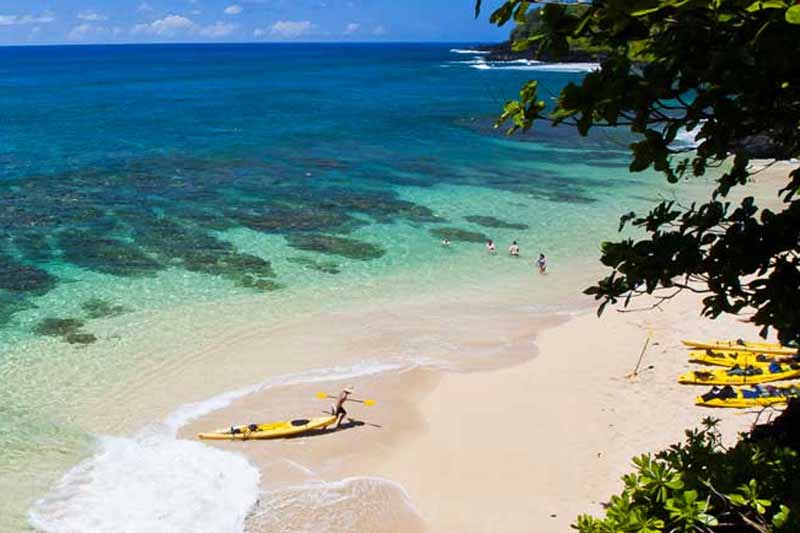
(145,188)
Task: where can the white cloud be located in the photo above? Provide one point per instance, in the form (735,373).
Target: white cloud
(144,7)
(86,30)
(177,26)
(379,30)
(79,32)
(286,29)
(91,16)
(233,10)
(12,20)
(218,30)
(168,26)
(351,28)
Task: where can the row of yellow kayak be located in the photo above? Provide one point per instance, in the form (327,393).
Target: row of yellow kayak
(746,367)
(743,346)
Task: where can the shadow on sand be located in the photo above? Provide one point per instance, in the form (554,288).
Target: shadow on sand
(350,424)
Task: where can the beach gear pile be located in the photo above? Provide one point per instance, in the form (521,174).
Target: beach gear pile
(747,371)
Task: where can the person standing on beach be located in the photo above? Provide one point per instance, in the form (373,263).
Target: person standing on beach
(338,409)
(514,249)
(542,263)
(490,246)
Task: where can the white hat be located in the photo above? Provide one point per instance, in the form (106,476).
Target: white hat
(349,389)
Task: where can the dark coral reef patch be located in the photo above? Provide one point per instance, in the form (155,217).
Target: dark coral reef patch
(68,329)
(492,222)
(327,267)
(97,308)
(329,244)
(458,234)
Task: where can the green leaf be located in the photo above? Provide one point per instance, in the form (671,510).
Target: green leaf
(781,517)
(793,14)
(768,4)
(737,500)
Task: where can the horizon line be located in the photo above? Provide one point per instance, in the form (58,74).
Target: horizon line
(161,43)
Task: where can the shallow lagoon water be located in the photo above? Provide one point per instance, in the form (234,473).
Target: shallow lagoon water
(151,193)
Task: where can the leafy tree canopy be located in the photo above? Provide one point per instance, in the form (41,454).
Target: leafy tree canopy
(725,70)
(701,486)
(534,24)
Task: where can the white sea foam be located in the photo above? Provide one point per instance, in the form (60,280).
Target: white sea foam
(538,66)
(156,483)
(467,51)
(350,504)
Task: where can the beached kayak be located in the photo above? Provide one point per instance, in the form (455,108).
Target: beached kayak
(743,346)
(741,375)
(743,397)
(273,430)
(733,358)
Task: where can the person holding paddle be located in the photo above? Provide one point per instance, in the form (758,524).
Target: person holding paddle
(338,409)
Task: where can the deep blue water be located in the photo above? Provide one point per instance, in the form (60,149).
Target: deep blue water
(124,160)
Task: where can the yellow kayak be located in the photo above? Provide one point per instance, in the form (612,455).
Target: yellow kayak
(741,375)
(743,397)
(732,358)
(743,346)
(273,430)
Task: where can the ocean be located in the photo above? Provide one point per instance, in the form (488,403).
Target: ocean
(157,198)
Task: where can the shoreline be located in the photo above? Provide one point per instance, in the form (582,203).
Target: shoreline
(497,343)
(487,450)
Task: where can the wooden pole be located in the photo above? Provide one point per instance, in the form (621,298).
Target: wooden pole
(641,355)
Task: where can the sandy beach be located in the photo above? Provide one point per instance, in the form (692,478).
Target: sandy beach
(522,448)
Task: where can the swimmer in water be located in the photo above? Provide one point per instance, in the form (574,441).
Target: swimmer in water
(490,246)
(514,249)
(542,264)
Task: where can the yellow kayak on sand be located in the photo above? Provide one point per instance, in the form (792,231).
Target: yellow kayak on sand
(273,430)
(730,358)
(741,375)
(743,397)
(743,346)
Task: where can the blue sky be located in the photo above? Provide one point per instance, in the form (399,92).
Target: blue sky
(140,21)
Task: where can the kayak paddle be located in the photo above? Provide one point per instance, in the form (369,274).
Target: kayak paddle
(325,395)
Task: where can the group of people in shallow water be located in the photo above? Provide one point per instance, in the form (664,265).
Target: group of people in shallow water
(513,251)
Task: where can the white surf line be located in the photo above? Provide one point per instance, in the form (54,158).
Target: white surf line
(154,482)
